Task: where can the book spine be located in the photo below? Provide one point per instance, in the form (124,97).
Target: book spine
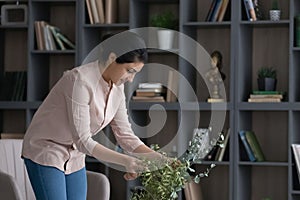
(223,10)
(216,10)
(247,146)
(296,151)
(110,11)
(210,11)
(89,9)
(255,146)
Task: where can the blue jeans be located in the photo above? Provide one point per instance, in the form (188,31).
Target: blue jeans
(50,183)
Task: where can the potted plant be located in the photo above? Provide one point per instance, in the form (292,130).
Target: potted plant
(275,12)
(267,79)
(167,22)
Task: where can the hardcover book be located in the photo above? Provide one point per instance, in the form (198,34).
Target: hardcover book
(255,146)
(296,151)
(246,145)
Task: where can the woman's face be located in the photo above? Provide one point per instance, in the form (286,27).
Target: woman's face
(122,73)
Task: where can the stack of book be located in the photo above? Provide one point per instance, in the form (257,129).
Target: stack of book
(266,96)
(150,92)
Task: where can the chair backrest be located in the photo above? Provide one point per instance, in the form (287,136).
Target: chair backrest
(14,180)
(13,166)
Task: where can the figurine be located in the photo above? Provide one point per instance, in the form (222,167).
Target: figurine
(215,76)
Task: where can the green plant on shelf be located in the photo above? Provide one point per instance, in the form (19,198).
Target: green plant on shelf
(275,5)
(164,20)
(267,72)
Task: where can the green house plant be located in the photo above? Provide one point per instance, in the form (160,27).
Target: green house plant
(167,23)
(267,79)
(164,20)
(275,11)
(163,180)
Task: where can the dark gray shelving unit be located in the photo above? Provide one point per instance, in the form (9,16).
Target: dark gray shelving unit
(245,47)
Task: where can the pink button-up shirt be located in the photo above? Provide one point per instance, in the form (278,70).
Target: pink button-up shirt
(77,107)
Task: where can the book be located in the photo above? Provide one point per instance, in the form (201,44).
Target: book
(261,100)
(260,96)
(255,146)
(193,191)
(172,87)
(150,85)
(66,40)
(246,145)
(89,9)
(39,36)
(54,30)
(210,11)
(216,11)
(220,154)
(94,11)
(266,92)
(223,10)
(110,11)
(149,99)
(250,10)
(100,10)
(296,152)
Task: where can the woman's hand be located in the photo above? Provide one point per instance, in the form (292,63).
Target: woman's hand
(133,167)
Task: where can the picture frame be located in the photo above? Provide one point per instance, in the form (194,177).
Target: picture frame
(14,15)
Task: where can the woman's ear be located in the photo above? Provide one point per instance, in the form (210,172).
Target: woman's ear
(112,57)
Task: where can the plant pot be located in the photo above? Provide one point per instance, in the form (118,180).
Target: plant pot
(274,15)
(165,39)
(266,84)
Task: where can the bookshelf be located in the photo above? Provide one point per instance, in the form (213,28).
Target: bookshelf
(245,46)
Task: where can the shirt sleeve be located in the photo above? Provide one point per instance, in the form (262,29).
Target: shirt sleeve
(78,100)
(122,129)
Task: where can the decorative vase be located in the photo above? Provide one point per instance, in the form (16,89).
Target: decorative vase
(266,84)
(165,39)
(274,15)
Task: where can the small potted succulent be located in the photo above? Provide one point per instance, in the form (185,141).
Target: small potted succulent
(167,22)
(267,79)
(275,12)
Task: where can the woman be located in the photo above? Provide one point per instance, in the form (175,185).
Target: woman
(83,102)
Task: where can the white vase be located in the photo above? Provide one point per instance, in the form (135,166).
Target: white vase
(274,15)
(165,39)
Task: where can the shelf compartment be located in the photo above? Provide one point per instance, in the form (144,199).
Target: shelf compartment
(17,125)
(272,137)
(216,185)
(253,55)
(258,182)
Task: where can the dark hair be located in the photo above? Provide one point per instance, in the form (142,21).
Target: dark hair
(128,39)
(138,55)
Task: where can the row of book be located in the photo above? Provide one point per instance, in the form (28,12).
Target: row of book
(251,147)
(13,86)
(266,96)
(49,37)
(217,10)
(101,11)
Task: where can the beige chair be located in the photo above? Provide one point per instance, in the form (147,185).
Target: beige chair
(14,181)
